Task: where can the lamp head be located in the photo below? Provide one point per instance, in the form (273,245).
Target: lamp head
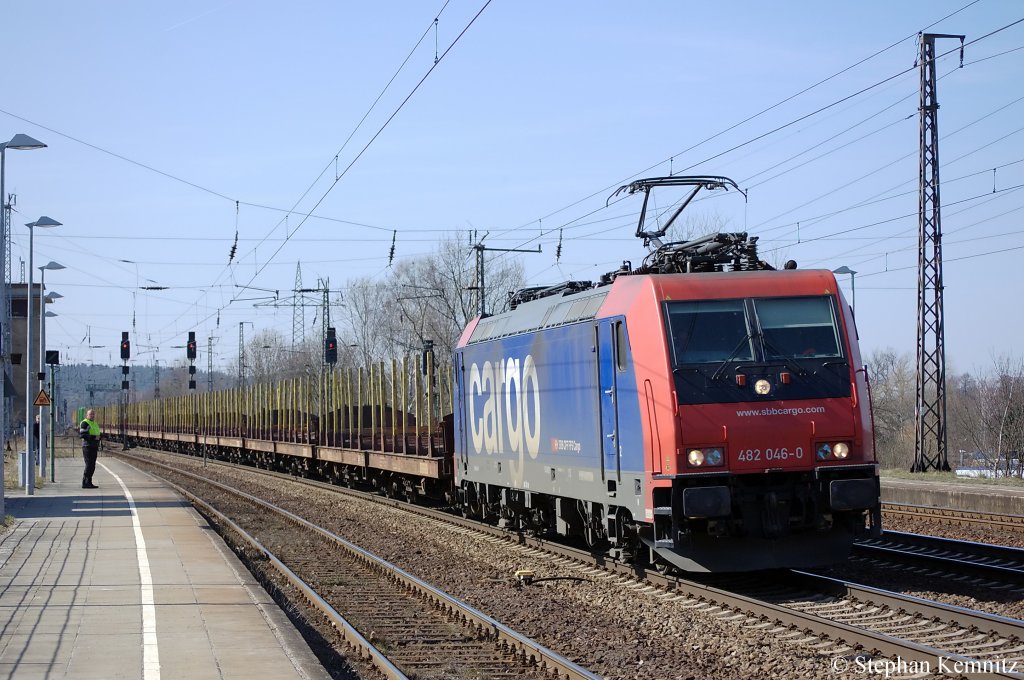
(52,266)
(44,221)
(20,141)
(52,295)
(843,270)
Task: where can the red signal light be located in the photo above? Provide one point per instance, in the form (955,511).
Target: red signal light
(330,347)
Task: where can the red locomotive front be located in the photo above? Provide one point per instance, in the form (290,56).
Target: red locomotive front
(762,455)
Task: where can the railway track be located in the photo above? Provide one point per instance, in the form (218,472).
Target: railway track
(989,643)
(854,624)
(995,563)
(954,516)
(402,625)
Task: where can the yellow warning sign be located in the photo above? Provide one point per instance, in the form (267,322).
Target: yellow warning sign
(42,399)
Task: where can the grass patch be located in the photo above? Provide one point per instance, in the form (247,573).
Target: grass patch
(11,471)
(64,448)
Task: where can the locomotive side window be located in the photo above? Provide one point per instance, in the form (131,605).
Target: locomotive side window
(621,346)
(709,331)
(798,328)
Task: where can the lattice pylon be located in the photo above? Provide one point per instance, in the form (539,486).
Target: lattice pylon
(930,412)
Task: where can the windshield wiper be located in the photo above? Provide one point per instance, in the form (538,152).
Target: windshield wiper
(732,355)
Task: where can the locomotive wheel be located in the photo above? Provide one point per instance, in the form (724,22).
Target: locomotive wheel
(473,509)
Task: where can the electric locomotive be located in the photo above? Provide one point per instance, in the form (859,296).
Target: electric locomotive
(703,411)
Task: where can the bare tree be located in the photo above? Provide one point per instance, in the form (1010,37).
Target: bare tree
(1007,390)
(363,319)
(967,405)
(426,298)
(893,396)
(270,356)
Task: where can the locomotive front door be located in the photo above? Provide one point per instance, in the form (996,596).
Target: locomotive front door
(606,363)
(461,445)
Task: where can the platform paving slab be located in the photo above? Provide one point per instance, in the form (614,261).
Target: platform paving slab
(71,597)
(973,496)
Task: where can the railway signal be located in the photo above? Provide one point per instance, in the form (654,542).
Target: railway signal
(190,354)
(331,347)
(126,354)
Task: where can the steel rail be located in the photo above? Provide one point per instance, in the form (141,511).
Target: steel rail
(978,559)
(954,515)
(526,647)
(929,609)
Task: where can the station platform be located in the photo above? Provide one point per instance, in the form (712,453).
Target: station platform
(977,496)
(129,581)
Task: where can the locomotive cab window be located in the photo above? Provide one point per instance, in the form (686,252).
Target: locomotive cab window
(798,328)
(709,331)
(621,346)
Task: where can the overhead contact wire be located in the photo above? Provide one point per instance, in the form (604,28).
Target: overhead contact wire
(342,174)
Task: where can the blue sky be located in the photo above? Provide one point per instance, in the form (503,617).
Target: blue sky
(159,117)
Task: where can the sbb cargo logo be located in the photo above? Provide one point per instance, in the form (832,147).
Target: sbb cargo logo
(563,445)
(504,406)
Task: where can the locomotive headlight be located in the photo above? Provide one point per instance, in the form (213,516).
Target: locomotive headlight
(695,457)
(834,451)
(713,457)
(762,387)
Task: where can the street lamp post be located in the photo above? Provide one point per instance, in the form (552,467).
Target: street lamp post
(43,299)
(53,410)
(21,142)
(853,288)
(45,433)
(31,482)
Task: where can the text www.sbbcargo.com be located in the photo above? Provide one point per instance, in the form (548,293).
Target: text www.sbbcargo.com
(769,411)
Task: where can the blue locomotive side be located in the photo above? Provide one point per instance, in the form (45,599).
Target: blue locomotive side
(552,411)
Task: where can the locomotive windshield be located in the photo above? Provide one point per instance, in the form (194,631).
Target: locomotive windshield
(794,328)
(755,329)
(710,331)
(712,340)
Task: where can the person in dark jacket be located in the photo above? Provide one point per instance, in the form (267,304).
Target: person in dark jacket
(35,438)
(89,431)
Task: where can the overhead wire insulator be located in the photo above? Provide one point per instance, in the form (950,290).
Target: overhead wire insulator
(234,246)
(436,58)
(391,253)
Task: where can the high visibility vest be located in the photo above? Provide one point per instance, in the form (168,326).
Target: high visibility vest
(94,428)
